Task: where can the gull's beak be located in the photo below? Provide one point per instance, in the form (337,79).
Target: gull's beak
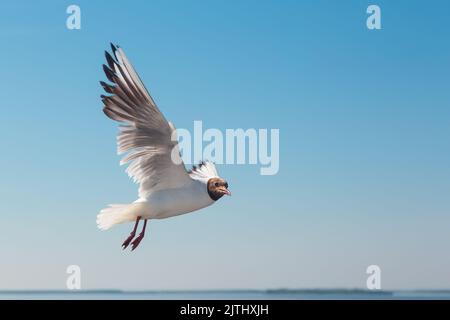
(225,191)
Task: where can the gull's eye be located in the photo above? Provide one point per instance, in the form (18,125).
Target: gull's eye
(216,184)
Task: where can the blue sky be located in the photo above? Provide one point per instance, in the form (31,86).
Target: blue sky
(364,143)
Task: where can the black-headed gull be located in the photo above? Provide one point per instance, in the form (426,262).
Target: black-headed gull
(166,189)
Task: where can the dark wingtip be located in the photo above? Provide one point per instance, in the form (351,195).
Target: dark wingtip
(109,73)
(113,48)
(108,88)
(108,113)
(110,60)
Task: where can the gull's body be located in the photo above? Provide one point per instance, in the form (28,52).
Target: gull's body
(149,141)
(190,197)
(172,202)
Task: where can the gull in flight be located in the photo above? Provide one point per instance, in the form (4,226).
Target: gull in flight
(150,146)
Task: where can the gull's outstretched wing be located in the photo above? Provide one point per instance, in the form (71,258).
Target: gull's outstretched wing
(145,135)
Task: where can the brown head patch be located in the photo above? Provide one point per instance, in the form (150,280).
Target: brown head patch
(217,188)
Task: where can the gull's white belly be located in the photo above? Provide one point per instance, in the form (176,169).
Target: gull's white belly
(172,202)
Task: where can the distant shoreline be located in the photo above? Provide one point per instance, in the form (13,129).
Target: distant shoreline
(225,291)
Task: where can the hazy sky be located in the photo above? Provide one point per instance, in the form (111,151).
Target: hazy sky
(364,143)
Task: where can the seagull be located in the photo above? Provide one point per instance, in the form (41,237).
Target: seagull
(149,142)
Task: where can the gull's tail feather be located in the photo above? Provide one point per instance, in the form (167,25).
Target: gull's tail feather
(116,214)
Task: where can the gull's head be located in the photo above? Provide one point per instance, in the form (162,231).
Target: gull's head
(217,188)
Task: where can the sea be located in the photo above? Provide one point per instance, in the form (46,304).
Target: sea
(282,294)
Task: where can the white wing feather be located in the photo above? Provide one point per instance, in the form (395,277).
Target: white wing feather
(204,171)
(145,135)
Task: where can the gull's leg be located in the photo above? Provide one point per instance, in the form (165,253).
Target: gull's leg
(132,234)
(138,239)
